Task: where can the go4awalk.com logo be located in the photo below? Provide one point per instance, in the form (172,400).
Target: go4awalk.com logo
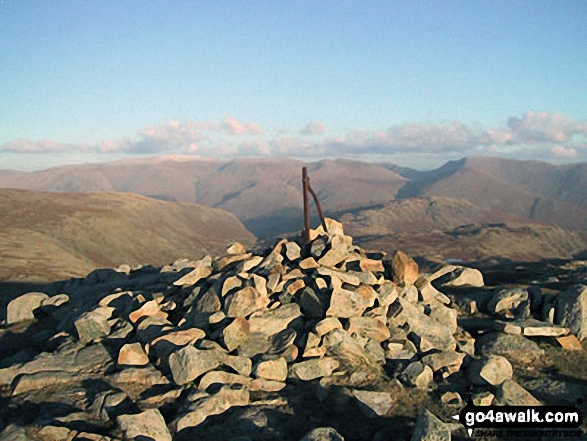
(559,419)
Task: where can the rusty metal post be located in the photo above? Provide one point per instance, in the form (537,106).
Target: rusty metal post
(306,185)
(318,207)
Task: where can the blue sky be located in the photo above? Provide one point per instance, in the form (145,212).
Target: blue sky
(415,83)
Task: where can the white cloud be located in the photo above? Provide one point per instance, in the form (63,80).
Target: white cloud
(564,152)
(313,128)
(234,127)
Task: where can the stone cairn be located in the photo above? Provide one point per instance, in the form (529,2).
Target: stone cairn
(180,344)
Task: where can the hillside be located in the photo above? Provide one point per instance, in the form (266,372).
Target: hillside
(46,236)
(264,193)
(535,190)
(438,229)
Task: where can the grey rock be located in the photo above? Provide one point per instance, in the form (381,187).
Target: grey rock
(312,369)
(323,434)
(189,363)
(94,325)
(23,307)
(510,303)
(430,428)
(146,425)
(417,374)
(490,370)
(372,403)
(311,304)
(514,347)
(457,277)
(512,394)
(571,310)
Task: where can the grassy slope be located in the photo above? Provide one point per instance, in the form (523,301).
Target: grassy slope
(50,235)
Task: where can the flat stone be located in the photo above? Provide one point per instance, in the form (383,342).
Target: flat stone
(147,376)
(199,410)
(56,433)
(512,394)
(333,257)
(151,308)
(132,354)
(220,377)
(490,370)
(23,307)
(41,380)
(405,269)
(308,263)
(430,428)
(236,248)
(536,328)
(145,425)
(229,284)
(196,275)
(271,322)
(315,368)
(165,344)
(374,404)
(570,343)
(292,251)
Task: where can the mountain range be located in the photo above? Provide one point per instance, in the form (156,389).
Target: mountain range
(474,208)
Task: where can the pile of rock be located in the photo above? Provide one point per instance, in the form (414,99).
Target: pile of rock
(156,353)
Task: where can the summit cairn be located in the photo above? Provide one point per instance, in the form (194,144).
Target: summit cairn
(170,348)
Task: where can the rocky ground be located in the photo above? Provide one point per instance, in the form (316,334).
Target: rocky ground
(317,342)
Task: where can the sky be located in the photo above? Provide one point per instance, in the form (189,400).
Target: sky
(415,83)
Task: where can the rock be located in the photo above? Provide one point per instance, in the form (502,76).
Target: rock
(323,434)
(430,428)
(328,324)
(451,399)
(236,248)
(274,321)
(490,370)
(40,380)
(147,376)
(333,257)
(189,363)
(571,310)
(151,308)
(510,303)
(513,347)
(536,328)
(199,410)
(369,328)
(374,404)
(315,368)
(448,362)
(14,432)
(244,302)
(311,304)
(143,426)
(272,369)
(236,333)
(405,269)
(132,354)
(292,251)
(417,374)
(458,276)
(93,325)
(219,377)
(512,394)
(483,398)
(345,303)
(570,343)
(23,307)
(56,433)
(194,276)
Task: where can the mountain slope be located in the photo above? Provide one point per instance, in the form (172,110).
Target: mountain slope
(264,193)
(532,189)
(439,228)
(55,235)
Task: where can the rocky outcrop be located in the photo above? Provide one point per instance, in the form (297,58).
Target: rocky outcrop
(156,353)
